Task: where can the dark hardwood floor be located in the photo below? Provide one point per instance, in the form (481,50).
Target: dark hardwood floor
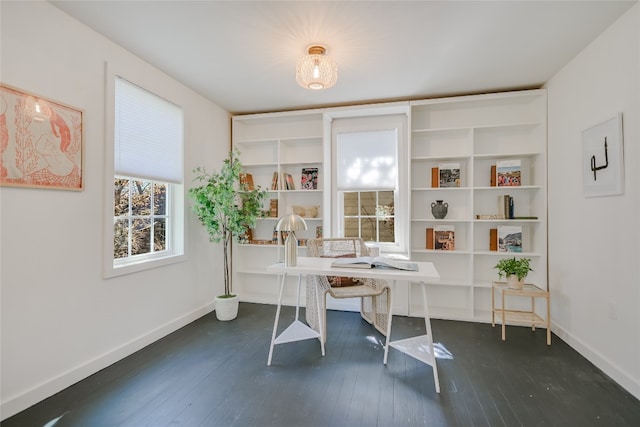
(211,373)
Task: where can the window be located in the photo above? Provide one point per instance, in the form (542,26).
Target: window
(140,217)
(369,215)
(148,175)
(370,179)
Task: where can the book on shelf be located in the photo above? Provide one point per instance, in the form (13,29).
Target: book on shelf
(261,242)
(429,244)
(492,181)
(508,173)
(273,208)
(309,179)
(246,181)
(490,216)
(449,174)
(247,236)
(435,178)
(288,181)
(444,237)
(374,262)
(506,207)
(493,239)
(511,208)
(282,181)
(318,232)
(509,238)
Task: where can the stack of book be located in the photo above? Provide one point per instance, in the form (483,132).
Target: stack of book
(282,181)
(508,173)
(273,208)
(446,175)
(246,181)
(509,238)
(506,207)
(441,238)
(506,238)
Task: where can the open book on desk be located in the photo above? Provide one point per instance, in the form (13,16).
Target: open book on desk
(374,262)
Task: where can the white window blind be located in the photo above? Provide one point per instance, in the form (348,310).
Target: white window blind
(148,135)
(367,160)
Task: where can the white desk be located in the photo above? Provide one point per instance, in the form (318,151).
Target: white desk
(419,347)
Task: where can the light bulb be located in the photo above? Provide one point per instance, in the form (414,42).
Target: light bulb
(316,70)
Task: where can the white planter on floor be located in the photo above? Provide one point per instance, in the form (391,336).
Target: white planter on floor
(227,308)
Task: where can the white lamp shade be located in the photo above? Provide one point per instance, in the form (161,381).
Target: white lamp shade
(291,222)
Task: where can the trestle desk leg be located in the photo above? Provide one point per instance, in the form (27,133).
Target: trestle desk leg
(427,323)
(275,322)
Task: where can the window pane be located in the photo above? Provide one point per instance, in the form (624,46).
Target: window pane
(140,198)
(160,199)
(387,233)
(159,235)
(121,197)
(368,203)
(121,238)
(369,229)
(141,236)
(350,204)
(385,199)
(351,228)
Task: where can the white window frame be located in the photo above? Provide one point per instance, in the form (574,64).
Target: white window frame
(120,262)
(359,216)
(165,88)
(371,120)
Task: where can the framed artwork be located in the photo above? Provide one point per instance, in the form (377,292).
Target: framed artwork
(603,159)
(41,142)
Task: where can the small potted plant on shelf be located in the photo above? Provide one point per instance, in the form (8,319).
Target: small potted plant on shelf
(515,270)
(227,209)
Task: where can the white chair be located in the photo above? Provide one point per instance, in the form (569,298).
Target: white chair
(375,294)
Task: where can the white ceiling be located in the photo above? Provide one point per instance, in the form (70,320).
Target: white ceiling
(242,54)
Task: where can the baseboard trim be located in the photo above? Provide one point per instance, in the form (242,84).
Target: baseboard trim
(623,378)
(22,401)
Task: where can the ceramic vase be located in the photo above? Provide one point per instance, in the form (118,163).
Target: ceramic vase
(439,209)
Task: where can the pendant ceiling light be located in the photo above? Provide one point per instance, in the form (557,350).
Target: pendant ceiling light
(316,70)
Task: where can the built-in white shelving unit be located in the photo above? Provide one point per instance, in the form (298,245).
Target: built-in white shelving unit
(474,131)
(280,143)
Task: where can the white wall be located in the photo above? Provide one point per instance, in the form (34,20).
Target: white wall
(60,320)
(594,243)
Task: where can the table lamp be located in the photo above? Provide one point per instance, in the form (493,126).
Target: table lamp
(291,223)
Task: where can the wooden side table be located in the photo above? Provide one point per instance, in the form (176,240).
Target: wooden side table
(526,317)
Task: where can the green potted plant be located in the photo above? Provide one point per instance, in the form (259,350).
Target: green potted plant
(226,208)
(515,270)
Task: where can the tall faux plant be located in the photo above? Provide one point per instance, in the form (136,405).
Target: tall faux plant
(226,208)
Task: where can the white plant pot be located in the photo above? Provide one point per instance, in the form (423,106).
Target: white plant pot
(227,308)
(514,283)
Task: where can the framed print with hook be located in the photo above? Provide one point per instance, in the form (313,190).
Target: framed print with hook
(603,159)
